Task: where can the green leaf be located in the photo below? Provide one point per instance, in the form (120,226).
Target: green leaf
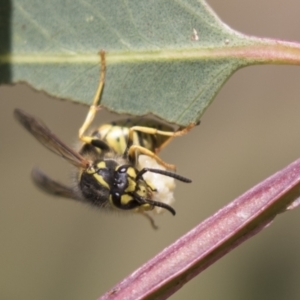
(168,58)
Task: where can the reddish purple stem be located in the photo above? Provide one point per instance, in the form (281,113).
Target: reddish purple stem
(177,264)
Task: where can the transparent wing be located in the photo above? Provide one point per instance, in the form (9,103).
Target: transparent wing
(51,186)
(43,134)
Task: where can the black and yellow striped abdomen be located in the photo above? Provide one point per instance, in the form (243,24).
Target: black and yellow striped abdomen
(116,134)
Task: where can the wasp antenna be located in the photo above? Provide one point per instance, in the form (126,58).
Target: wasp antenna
(162,205)
(164,172)
(142,201)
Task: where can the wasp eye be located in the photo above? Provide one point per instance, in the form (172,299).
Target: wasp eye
(122,170)
(118,183)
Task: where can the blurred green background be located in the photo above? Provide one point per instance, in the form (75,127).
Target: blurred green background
(57,249)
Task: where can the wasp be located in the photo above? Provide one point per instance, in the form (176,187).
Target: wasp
(110,172)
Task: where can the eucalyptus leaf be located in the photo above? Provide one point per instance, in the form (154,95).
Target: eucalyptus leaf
(164,57)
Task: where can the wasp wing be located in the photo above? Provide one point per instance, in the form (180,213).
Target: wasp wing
(43,134)
(51,186)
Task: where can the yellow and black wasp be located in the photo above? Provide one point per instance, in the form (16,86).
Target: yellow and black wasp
(110,174)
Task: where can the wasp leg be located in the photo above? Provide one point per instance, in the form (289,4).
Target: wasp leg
(134,150)
(95,105)
(150,130)
(150,219)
